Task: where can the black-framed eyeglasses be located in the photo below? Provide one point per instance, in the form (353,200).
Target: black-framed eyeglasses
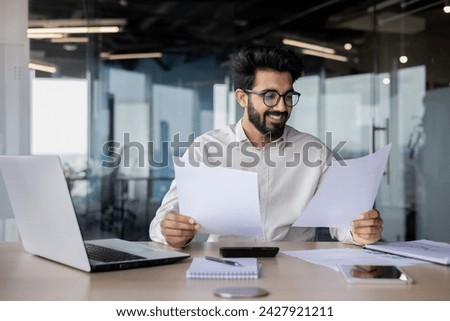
(271,98)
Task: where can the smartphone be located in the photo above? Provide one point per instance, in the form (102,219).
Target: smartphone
(254,251)
(387,274)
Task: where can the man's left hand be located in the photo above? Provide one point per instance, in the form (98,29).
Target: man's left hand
(367,228)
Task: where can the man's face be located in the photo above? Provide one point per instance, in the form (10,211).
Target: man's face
(264,124)
(269,121)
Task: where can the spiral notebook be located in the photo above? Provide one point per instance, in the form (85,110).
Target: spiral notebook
(202,268)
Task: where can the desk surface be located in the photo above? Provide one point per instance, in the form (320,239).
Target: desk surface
(27,277)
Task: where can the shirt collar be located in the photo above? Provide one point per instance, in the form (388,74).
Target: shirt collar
(240,134)
(242,137)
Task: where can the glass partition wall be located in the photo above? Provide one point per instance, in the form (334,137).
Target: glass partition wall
(387,81)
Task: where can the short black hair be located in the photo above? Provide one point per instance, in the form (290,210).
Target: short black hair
(248,60)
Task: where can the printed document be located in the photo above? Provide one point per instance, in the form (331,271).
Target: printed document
(347,190)
(222,200)
(428,250)
(332,258)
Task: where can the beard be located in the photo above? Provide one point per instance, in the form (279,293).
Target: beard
(275,131)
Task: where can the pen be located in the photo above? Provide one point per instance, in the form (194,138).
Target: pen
(215,259)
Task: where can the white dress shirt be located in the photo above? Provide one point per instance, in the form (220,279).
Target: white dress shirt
(289,171)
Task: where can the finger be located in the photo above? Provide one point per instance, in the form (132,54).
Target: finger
(179,221)
(169,232)
(376,223)
(367,221)
(168,224)
(367,230)
(177,242)
(177,238)
(172,216)
(178,229)
(372,214)
(365,238)
(360,274)
(367,268)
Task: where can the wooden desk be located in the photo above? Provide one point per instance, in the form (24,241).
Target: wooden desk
(27,277)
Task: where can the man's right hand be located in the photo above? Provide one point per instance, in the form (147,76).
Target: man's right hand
(178,229)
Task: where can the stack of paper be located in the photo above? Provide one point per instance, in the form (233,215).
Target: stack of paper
(437,252)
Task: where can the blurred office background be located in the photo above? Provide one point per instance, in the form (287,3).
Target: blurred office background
(377,72)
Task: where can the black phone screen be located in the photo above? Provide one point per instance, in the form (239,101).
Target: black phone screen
(255,251)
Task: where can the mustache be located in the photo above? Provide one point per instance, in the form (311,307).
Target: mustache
(277,113)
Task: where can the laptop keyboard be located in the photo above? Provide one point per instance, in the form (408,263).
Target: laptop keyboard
(105,254)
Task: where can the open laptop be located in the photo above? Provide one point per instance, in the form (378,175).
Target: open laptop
(48,225)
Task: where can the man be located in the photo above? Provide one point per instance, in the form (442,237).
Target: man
(290,165)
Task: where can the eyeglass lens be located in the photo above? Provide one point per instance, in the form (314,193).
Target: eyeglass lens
(271,98)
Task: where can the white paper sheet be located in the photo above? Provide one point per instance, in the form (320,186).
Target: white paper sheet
(331,258)
(346,191)
(223,201)
(428,250)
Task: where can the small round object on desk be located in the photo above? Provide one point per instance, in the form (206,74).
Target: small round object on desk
(240,292)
